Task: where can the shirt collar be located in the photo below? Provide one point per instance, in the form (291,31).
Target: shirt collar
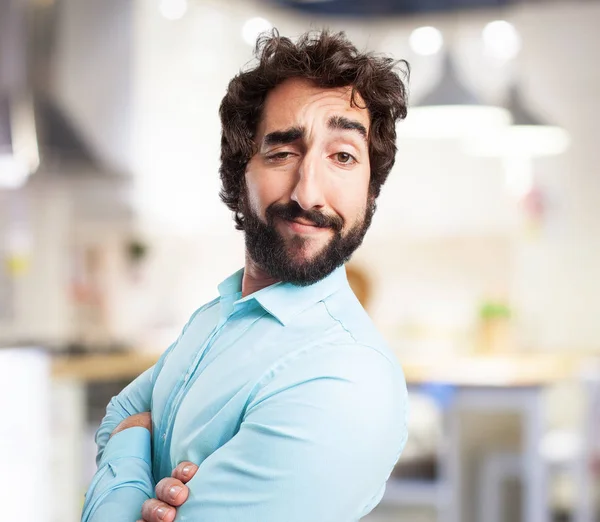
(232,285)
(285,300)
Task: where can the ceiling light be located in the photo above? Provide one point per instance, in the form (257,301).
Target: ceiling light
(426,41)
(501,40)
(173,9)
(253,28)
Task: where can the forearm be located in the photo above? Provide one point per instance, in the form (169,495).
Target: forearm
(134,399)
(123,480)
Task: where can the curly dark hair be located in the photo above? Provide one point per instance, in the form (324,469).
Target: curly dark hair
(329,60)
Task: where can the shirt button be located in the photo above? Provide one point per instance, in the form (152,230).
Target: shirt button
(164,437)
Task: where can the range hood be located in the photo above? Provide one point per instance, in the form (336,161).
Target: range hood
(35,132)
(378,8)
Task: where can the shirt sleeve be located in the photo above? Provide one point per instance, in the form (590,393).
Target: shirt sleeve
(123,481)
(134,398)
(317,442)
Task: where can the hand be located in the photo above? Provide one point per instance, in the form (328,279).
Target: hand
(171,492)
(143,420)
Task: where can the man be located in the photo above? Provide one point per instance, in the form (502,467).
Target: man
(279,401)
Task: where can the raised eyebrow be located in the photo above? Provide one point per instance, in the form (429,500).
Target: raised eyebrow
(283,137)
(343,123)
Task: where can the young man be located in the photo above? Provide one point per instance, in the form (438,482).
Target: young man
(279,401)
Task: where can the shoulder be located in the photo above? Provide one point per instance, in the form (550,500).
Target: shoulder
(344,309)
(199,314)
(201,320)
(348,395)
(336,339)
(350,372)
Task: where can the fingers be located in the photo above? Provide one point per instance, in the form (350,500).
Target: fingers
(185,471)
(156,511)
(172,491)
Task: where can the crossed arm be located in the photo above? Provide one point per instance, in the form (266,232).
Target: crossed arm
(304,451)
(124,479)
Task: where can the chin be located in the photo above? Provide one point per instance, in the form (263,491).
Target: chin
(304,254)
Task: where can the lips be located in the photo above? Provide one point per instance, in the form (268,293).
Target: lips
(304,227)
(305,223)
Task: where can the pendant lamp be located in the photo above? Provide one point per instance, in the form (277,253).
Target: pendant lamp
(528,135)
(451,111)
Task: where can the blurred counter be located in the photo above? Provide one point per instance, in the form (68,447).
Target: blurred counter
(102,367)
(516,370)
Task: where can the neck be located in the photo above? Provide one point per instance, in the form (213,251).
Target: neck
(255,278)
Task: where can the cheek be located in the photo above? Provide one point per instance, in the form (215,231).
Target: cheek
(252,195)
(262,190)
(349,199)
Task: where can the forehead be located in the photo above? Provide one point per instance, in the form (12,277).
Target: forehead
(299,102)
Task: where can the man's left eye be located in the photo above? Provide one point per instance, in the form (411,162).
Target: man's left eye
(345,158)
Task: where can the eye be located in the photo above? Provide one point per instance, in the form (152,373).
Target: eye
(344,158)
(279,156)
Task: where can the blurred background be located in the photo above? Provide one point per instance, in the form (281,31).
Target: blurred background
(482,266)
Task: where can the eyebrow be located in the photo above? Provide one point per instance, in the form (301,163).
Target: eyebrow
(284,137)
(343,123)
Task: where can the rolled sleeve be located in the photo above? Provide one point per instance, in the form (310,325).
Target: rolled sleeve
(132,443)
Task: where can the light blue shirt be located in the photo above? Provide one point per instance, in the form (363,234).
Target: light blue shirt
(288,399)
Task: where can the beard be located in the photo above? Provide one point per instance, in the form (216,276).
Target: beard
(283,259)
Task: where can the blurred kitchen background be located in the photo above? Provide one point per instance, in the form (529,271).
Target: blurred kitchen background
(482,267)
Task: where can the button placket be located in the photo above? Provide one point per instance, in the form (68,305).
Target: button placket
(181,393)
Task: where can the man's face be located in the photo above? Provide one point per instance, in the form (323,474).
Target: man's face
(306,203)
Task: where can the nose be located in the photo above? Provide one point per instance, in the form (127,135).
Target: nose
(308,192)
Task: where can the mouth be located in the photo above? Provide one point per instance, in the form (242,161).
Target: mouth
(301,226)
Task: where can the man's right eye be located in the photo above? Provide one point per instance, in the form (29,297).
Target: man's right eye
(279,156)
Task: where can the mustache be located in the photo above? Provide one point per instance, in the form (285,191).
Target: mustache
(292,210)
